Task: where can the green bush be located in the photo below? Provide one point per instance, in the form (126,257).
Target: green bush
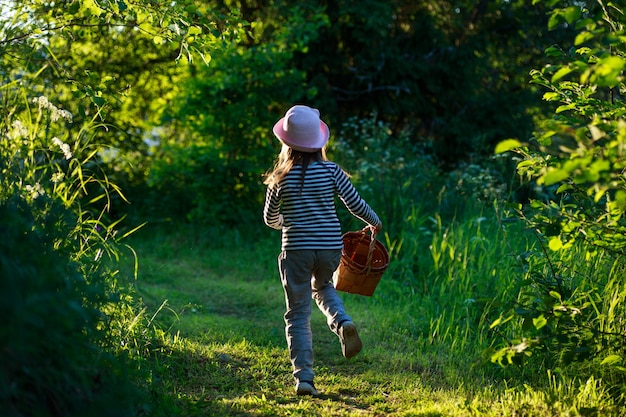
(69,324)
(390,171)
(569,307)
(57,360)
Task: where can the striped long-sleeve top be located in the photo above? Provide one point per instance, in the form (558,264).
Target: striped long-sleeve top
(308,217)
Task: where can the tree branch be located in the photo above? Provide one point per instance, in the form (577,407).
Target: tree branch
(56,28)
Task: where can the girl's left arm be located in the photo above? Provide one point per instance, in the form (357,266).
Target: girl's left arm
(353,201)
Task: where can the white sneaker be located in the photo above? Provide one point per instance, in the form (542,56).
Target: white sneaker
(350,341)
(306,388)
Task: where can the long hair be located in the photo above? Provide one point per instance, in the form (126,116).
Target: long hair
(286,160)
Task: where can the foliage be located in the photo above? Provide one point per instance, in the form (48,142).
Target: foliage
(119,55)
(453,72)
(389,171)
(579,154)
(439,228)
(211,166)
(117,63)
(175,82)
(404,182)
(52,343)
(570,310)
(62,306)
(448,79)
(74,332)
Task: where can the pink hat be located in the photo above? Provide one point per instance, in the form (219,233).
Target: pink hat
(301,129)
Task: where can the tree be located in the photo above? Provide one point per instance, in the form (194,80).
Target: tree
(127,58)
(211,165)
(72,325)
(455,72)
(579,151)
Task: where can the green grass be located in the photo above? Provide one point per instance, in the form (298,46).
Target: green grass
(220,350)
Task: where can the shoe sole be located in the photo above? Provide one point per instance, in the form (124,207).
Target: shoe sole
(306,392)
(306,389)
(351,343)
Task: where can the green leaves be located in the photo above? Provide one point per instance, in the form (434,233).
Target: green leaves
(567,15)
(555,244)
(58,287)
(578,150)
(562,72)
(553,176)
(607,72)
(540,322)
(575,161)
(507,145)
(583,37)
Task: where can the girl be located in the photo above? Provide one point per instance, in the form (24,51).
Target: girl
(300,201)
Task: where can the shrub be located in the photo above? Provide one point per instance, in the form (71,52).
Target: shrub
(571,291)
(60,301)
(54,351)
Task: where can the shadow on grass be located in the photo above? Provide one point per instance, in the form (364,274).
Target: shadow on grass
(195,381)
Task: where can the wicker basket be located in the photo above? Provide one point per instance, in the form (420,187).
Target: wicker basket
(363,261)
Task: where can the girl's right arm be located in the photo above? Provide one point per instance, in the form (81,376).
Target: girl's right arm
(271,210)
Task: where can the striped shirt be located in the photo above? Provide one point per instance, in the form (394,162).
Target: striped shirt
(308,217)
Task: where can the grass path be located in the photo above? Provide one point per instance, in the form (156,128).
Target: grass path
(223,351)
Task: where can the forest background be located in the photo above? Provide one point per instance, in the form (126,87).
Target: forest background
(488,135)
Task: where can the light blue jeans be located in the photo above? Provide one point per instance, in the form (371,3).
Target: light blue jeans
(307,274)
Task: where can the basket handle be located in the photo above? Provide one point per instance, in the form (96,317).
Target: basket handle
(372,231)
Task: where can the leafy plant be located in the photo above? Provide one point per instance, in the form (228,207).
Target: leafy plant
(211,165)
(59,300)
(389,170)
(577,156)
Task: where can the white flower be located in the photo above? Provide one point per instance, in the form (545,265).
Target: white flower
(57,177)
(35,190)
(65,148)
(19,130)
(42,102)
(55,112)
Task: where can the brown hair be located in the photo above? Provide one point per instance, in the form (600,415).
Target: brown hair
(289,157)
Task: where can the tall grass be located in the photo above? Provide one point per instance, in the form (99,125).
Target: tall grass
(472,277)
(427,335)
(450,280)
(68,320)
(466,288)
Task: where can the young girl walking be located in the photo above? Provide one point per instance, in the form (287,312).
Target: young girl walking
(300,201)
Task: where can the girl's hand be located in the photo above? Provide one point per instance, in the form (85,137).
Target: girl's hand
(375,229)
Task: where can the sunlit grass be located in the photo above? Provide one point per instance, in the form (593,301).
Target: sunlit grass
(222,350)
